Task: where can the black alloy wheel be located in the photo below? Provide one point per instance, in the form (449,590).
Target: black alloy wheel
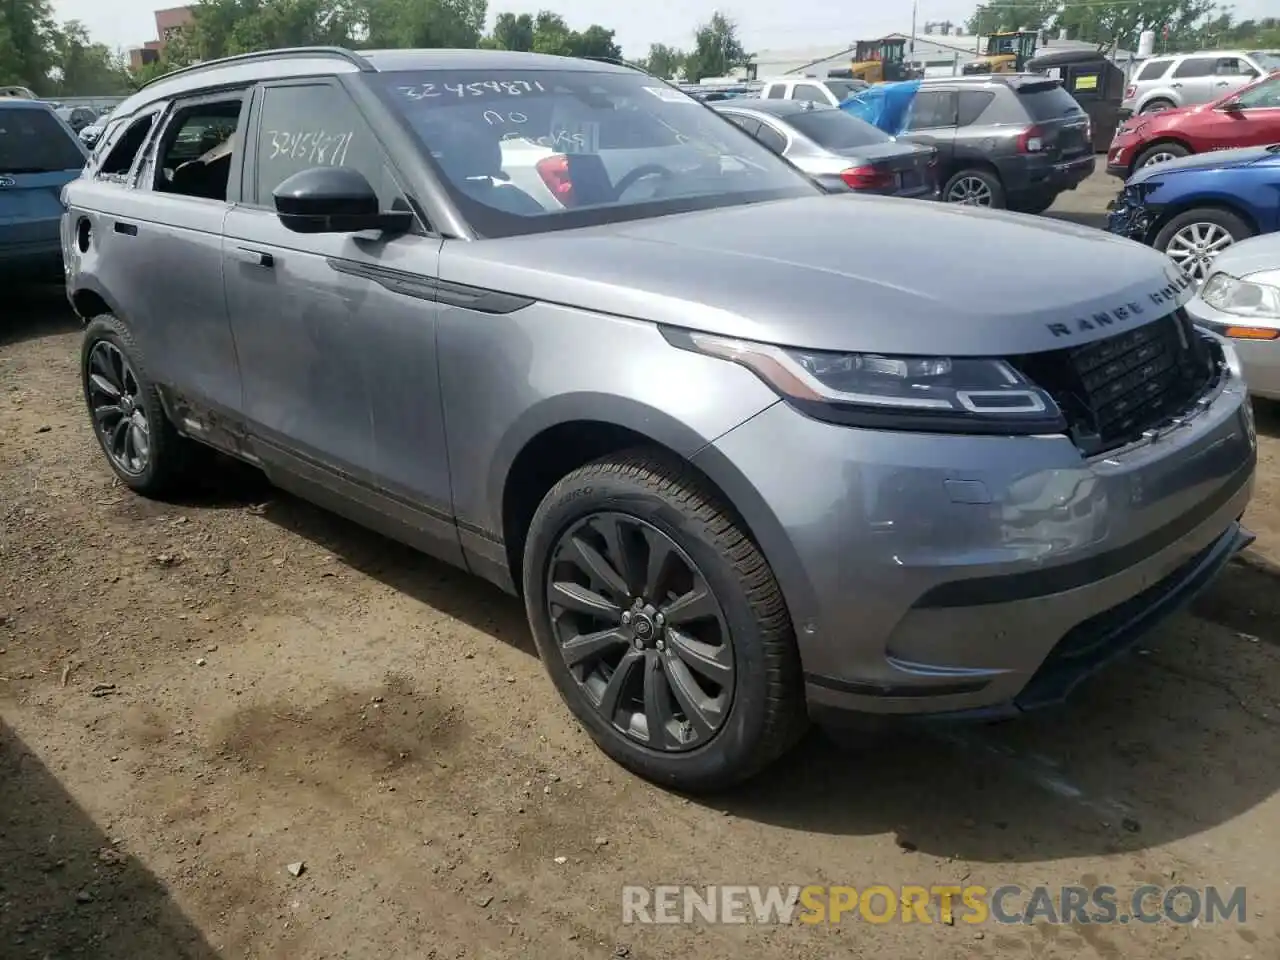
(641,631)
(119,415)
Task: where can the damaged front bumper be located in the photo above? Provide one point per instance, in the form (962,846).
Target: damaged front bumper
(1128,216)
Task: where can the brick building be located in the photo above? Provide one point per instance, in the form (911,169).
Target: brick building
(169,23)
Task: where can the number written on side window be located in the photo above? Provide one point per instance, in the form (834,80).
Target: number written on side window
(314,125)
(318,147)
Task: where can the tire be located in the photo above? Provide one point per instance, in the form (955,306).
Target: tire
(1034,204)
(639,492)
(1209,219)
(1162,150)
(1155,106)
(976,179)
(170,457)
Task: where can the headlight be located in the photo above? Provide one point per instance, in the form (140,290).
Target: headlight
(1257,297)
(951,394)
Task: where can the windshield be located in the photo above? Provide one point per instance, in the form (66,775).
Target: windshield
(836,130)
(33,141)
(843,89)
(1267,59)
(524,151)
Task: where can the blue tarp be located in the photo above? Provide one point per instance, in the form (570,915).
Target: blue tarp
(884,105)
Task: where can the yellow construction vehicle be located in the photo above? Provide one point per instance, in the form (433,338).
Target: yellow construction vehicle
(878,60)
(1007,52)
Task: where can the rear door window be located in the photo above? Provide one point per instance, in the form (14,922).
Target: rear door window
(777,91)
(933,109)
(836,130)
(1048,101)
(1195,67)
(1154,70)
(972,105)
(32,140)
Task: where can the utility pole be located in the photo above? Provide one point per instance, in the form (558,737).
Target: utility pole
(911,44)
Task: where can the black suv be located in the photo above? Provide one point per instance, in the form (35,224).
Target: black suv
(1013,141)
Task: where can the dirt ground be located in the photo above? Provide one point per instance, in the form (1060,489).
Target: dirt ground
(194,696)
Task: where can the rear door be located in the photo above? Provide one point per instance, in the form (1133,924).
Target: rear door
(1062,121)
(1193,79)
(38,156)
(933,122)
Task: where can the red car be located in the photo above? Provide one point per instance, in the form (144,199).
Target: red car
(1248,117)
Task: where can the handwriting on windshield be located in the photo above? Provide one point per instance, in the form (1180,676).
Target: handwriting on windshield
(496,118)
(481,88)
(318,147)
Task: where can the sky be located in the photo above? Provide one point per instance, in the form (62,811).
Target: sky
(763,24)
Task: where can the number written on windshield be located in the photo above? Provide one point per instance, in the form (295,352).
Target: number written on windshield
(481,88)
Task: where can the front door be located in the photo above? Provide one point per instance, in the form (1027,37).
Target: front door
(336,332)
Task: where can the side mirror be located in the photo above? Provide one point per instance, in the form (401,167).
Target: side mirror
(334,200)
(1232,106)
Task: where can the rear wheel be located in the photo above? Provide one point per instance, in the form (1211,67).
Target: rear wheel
(1160,153)
(140,443)
(1194,238)
(974,188)
(661,624)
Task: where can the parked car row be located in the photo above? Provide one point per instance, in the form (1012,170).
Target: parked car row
(1200,178)
(752,453)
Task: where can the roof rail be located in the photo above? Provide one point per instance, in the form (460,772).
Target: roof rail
(616,61)
(338,53)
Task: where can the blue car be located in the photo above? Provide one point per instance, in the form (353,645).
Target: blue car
(39,154)
(1193,208)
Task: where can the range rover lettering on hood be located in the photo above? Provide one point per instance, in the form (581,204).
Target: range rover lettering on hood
(1170,295)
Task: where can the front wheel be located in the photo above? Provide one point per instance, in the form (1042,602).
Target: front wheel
(661,624)
(974,188)
(1194,238)
(1160,153)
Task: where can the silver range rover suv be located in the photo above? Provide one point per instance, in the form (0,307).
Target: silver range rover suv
(555,322)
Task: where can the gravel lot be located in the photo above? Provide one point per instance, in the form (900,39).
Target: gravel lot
(284,687)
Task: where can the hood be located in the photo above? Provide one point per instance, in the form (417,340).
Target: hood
(847,272)
(1213,159)
(1250,256)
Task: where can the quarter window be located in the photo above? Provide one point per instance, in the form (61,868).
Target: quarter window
(777,91)
(124,148)
(771,138)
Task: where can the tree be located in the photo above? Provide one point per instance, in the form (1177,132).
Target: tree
(664,61)
(512,32)
(85,68)
(27,45)
(1122,21)
(596,41)
(999,17)
(716,50)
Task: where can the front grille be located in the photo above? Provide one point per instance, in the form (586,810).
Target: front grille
(1114,389)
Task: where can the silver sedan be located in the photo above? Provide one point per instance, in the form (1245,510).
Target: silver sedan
(839,151)
(1241,300)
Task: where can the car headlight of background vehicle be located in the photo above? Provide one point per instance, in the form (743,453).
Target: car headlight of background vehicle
(942,394)
(1256,297)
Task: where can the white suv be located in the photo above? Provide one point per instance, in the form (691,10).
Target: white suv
(1187,79)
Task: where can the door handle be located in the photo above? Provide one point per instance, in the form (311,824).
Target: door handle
(258,258)
(128,229)
(1176,86)
(1221,83)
